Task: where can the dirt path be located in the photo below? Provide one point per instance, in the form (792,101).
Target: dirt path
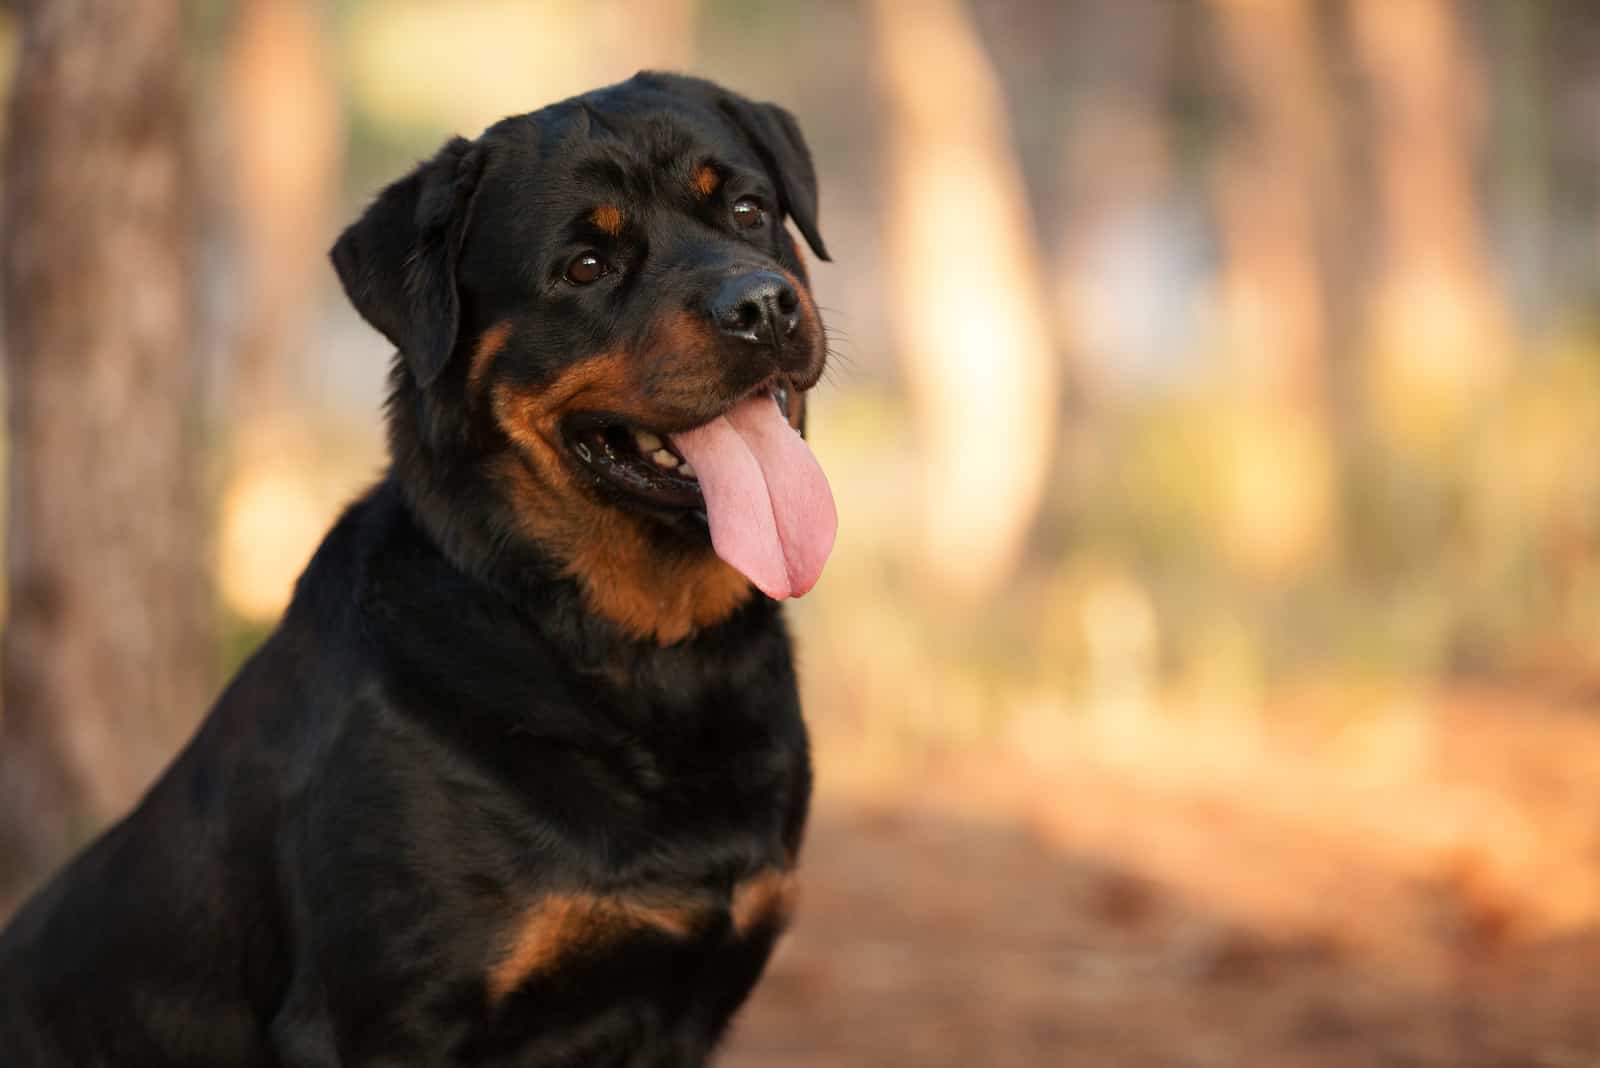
(984,912)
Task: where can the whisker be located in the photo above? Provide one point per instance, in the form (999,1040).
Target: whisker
(837,364)
(840,356)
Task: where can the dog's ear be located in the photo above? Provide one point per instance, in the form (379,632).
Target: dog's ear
(398,261)
(776,138)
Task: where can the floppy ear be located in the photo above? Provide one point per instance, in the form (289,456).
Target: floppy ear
(398,261)
(777,140)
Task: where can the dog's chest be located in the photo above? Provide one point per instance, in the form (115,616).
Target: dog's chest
(567,934)
(647,975)
(656,946)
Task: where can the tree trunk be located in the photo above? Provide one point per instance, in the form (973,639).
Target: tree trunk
(970,304)
(1116,165)
(1441,333)
(285,153)
(107,653)
(1274,184)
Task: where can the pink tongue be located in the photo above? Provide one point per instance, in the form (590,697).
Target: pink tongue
(767,500)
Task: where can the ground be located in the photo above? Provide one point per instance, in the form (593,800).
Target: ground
(1292,906)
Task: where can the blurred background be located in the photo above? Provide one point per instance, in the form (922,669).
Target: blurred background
(1207,671)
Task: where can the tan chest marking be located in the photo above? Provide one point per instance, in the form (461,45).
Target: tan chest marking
(765,899)
(563,925)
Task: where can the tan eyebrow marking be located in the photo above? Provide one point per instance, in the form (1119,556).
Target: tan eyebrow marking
(608,217)
(706,180)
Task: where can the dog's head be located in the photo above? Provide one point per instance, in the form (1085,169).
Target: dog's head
(606,333)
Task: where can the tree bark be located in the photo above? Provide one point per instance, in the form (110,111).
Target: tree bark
(107,652)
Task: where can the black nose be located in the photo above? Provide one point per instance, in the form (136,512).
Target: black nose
(761,306)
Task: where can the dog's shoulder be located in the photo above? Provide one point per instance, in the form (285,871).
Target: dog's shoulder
(418,663)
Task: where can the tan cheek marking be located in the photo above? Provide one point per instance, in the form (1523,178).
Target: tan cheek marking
(706,181)
(564,925)
(489,345)
(608,219)
(765,898)
(664,599)
(650,594)
(530,416)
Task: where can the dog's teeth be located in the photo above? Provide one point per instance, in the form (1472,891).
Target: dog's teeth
(647,442)
(685,470)
(663,458)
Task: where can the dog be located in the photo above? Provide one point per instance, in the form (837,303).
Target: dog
(521,778)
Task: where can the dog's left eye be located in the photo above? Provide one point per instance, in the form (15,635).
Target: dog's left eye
(748,213)
(586,267)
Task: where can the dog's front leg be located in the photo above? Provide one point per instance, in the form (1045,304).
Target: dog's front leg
(302,1034)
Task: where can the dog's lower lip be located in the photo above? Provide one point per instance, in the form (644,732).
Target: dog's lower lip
(639,463)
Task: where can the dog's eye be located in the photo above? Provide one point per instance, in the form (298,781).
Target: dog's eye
(586,267)
(748,213)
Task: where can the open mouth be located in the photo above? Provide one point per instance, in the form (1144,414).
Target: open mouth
(747,473)
(643,463)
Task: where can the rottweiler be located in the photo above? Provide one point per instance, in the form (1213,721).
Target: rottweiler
(521,777)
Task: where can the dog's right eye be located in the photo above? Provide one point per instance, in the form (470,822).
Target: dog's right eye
(586,267)
(748,213)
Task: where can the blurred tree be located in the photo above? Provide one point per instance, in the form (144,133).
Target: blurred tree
(1440,332)
(107,650)
(1116,167)
(285,154)
(1273,185)
(970,304)
(423,69)
(282,116)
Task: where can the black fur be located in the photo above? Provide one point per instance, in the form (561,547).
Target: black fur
(399,264)
(443,732)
